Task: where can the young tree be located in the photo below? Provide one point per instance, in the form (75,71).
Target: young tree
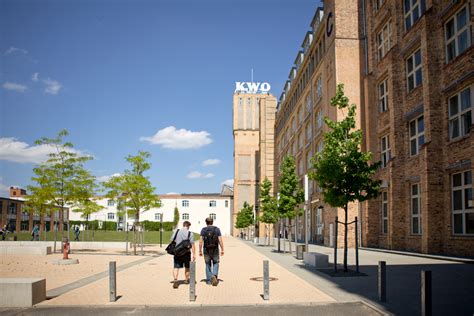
(342,170)
(176,217)
(268,207)
(291,193)
(62,180)
(37,203)
(133,190)
(245,217)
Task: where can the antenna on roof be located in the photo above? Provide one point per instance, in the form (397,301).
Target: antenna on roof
(251,74)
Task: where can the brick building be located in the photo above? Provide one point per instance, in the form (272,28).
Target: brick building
(418,91)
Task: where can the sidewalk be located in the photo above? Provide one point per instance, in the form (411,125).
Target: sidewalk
(453,283)
(149,283)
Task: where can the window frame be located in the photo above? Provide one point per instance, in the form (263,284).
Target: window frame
(383,98)
(185,216)
(383,40)
(185,203)
(110,217)
(385,154)
(377,4)
(415,197)
(418,137)
(409,13)
(384,212)
(213,216)
(415,68)
(158,217)
(458,117)
(110,202)
(212,203)
(457,33)
(464,187)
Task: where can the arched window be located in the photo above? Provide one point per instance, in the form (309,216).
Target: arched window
(213,216)
(185,217)
(185,203)
(212,203)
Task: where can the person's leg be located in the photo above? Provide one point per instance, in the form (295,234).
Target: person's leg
(207,260)
(177,265)
(215,269)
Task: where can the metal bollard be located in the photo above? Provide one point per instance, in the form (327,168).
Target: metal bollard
(426,299)
(112,281)
(382,281)
(266,280)
(192,281)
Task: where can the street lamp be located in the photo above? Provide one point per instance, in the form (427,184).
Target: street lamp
(279,223)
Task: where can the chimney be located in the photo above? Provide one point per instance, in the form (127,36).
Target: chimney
(17,192)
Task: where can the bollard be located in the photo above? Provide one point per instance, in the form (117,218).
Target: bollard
(426,302)
(357,244)
(335,245)
(266,280)
(382,280)
(112,281)
(192,281)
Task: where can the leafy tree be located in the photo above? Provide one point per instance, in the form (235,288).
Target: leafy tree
(62,180)
(268,206)
(37,203)
(133,190)
(245,217)
(342,170)
(176,217)
(291,193)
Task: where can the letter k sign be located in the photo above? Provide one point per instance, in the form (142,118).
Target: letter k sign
(239,86)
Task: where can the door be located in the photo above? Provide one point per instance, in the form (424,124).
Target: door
(331,235)
(319,225)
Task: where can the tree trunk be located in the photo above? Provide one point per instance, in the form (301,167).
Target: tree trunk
(289,238)
(345,238)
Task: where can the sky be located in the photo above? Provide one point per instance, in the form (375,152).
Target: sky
(123,76)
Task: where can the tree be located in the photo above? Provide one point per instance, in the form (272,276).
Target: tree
(341,169)
(245,217)
(37,203)
(268,206)
(176,217)
(133,190)
(291,193)
(62,180)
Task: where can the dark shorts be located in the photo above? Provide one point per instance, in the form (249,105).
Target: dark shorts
(180,262)
(211,256)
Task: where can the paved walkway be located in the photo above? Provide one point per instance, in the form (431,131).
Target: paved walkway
(453,283)
(149,283)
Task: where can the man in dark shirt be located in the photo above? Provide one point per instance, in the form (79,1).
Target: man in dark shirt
(211,238)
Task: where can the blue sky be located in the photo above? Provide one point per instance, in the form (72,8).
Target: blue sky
(116,73)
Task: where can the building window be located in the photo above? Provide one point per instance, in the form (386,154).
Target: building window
(457,34)
(308,132)
(157,216)
(319,87)
(293,125)
(110,203)
(301,166)
(384,212)
(300,115)
(413,10)
(185,203)
(226,203)
(378,4)
(415,209)
(213,216)
(320,147)
(414,75)
(383,96)
(295,147)
(185,216)
(417,135)
(460,113)
(308,103)
(212,203)
(385,150)
(110,216)
(463,208)
(384,40)
(309,155)
(300,140)
(319,119)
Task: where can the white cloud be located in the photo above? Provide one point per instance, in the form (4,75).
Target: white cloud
(52,86)
(4,189)
(173,138)
(229,182)
(210,162)
(17,151)
(35,77)
(12,50)
(14,86)
(107,178)
(171,193)
(199,175)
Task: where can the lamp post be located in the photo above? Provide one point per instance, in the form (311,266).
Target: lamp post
(161,230)
(279,223)
(306,213)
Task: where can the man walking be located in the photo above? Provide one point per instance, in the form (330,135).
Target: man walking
(35,233)
(180,261)
(211,238)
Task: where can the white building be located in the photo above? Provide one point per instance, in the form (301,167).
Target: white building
(194,208)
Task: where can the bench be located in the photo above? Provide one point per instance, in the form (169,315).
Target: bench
(25,250)
(22,292)
(316,260)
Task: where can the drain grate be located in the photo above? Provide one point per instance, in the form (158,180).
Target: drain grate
(260,279)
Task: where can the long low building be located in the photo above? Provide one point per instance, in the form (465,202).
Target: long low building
(194,208)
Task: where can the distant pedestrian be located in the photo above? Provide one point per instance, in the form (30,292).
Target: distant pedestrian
(77,232)
(211,238)
(184,252)
(2,233)
(35,233)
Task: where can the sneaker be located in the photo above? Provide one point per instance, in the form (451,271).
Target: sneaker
(214,280)
(186,281)
(175,284)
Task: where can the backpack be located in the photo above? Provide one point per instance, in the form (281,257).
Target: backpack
(172,245)
(211,240)
(184,247)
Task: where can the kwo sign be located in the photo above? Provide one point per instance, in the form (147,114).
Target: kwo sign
(252,87)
